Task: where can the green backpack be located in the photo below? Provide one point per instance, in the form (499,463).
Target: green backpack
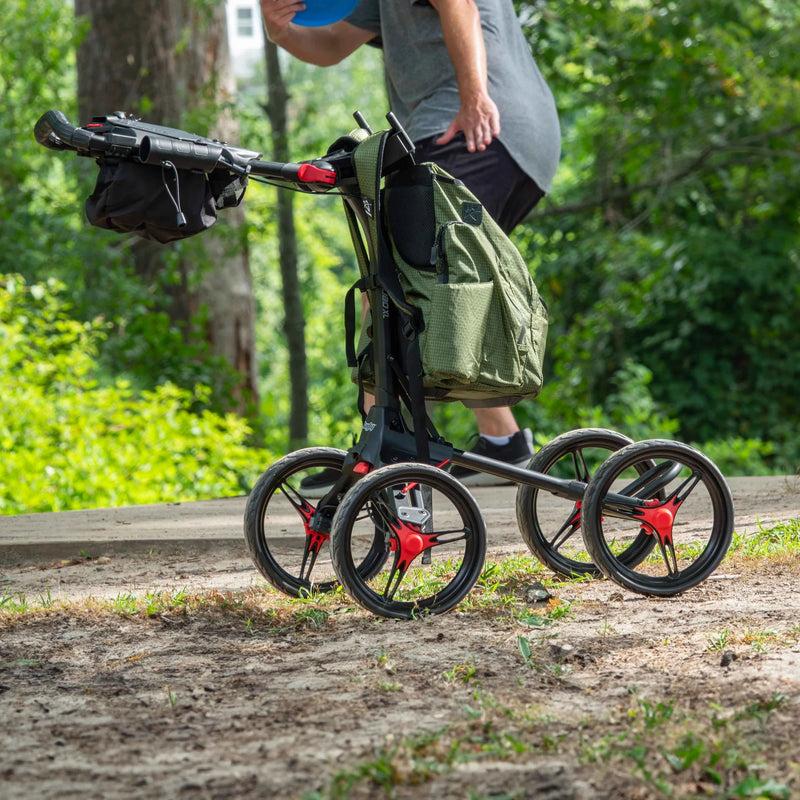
(484,326)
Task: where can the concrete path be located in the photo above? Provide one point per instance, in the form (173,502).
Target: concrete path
(211,524)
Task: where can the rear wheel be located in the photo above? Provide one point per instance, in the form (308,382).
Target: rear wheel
(690,521)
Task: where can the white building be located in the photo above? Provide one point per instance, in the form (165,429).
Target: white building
(245,36)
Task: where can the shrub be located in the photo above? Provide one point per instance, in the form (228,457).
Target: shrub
(69,442)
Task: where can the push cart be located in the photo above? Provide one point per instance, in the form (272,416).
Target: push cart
(400,534)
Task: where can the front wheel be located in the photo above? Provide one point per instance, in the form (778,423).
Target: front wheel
(432,529)
(690,521)
(287,532)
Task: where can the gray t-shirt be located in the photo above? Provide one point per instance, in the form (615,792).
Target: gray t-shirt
(422,87)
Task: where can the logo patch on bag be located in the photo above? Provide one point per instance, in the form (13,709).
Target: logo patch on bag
(368,207)
(471,213)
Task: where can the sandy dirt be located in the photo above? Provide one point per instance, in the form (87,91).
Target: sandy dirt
(241,695)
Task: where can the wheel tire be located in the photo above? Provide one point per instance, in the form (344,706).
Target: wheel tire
(456,551)
(706,521)
(533,504)
(291,556)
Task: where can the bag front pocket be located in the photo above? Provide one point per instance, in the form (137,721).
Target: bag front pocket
(455,324)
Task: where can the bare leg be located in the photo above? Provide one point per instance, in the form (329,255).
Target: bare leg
(491,421)
(495,421)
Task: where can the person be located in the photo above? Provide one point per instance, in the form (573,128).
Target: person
(462,81)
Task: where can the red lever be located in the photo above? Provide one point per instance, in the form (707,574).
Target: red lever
(308,173)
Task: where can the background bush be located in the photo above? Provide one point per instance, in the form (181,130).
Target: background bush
(69,441)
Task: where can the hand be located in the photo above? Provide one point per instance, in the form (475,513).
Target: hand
(278,14)
(479,120)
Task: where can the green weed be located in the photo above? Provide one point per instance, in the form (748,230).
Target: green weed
(14,602)
(125,604)
(460,672)
(720,641)
(312,617)
(783,538)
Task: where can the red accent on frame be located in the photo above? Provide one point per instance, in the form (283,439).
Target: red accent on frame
(315,539)
(659,517)
(308,173)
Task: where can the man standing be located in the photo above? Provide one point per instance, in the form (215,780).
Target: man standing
(463,83)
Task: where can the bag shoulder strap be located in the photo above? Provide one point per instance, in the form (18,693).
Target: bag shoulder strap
(368,160)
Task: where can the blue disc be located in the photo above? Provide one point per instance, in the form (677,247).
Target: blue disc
(323,12)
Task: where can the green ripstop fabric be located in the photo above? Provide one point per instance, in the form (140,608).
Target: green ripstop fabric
(485,326)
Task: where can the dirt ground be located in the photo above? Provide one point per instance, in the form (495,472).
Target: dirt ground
(244,696)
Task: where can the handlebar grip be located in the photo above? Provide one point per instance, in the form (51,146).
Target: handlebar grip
(53,130)
(182,153)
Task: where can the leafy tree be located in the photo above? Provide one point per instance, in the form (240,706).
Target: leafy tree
(319,109)
(294,323)
(171,64)
(671,238)
(40,230)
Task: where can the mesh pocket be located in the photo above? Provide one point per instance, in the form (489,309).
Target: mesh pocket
(455,325)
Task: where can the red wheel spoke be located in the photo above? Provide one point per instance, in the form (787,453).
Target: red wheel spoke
(314,539)
(409,541)
(300,504)
(658,519)
(314,542)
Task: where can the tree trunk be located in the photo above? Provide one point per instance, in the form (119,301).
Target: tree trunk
(294,324)
(169,63)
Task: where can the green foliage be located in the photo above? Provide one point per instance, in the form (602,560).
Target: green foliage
(320,112)
(71,442)
(671,239)
(40,230)
(668,250)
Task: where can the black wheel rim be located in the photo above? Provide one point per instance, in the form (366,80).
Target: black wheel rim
(436,551)
(551,526)
(288,533)
(690,523)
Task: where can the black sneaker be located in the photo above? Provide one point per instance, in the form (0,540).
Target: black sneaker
(517,452)
(320,483)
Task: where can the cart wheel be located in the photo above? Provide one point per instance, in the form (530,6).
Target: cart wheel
(290,553)
(548,523)
(691,520)
(433,529)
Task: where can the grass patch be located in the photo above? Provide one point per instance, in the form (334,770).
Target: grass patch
(499,591)
(255,609)
(782,539)
(658,746)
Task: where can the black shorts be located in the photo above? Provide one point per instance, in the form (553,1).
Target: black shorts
(507,193)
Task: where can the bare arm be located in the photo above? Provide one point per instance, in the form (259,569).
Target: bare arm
(478,116)
(322,46)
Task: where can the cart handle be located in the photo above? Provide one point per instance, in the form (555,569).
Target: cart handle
(53,130)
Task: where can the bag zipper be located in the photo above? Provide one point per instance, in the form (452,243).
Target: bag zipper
(444,272)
